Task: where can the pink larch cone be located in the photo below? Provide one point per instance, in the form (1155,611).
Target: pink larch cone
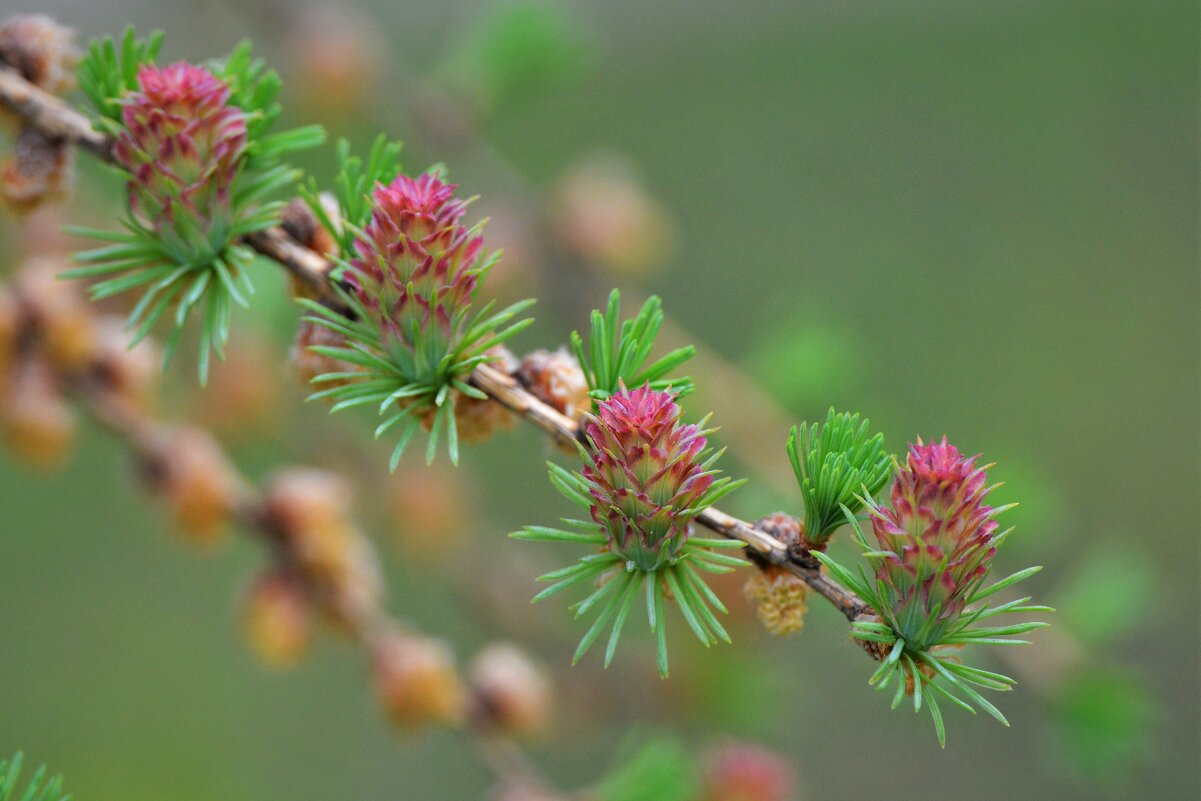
(416,261)
(646,472)
(183,144)
(941,535)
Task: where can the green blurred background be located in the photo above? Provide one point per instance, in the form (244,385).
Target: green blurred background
(977,218)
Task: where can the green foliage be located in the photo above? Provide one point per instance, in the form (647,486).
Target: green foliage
(412,333)
(836,464)
(352,190)
(617,584)
(175,280)
(804,361)
(615,355)
(1103,719)
(189,260)
(407,383)
(661,770)
(521,48)
(922,662)
(255,88)
(105,73)
(39,788)
(1105,599)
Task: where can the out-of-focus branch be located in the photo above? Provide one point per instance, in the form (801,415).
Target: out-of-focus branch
(98,384)
(53,117)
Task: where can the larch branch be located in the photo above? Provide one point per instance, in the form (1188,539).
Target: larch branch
(60,121)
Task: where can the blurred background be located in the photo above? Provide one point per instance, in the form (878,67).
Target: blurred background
(971,218)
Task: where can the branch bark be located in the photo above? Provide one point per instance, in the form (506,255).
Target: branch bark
(49,115)
(56,119)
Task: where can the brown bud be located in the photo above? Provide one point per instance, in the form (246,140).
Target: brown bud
(130,374)
(276,618)
(43,51)
(190,471)
(37,172)
(62,318)
(416,680)
(779,598)
(876,650)
(302,225)
(555,378)
(502,359)
(10,327)
(311,510)
(353,595)
(742,772)
(782,526)
(37,422)
(509,691)
(40,170)
(606,217)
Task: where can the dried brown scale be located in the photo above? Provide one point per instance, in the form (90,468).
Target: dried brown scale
(299,222)
(555,378)
(41,50)
(36,421)
(59,316)
(783,527)
(189,470)
(309,268)
(508,691)
(876,650)
(40,170)
(416,680)
(310,512)
(276,617)
(58,119)
(10,322)
(131,375)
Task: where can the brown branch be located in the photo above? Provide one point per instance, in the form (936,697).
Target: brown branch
(49,115)
(306,266)
(53,117)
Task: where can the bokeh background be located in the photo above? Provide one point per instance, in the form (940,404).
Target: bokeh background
(977,218)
